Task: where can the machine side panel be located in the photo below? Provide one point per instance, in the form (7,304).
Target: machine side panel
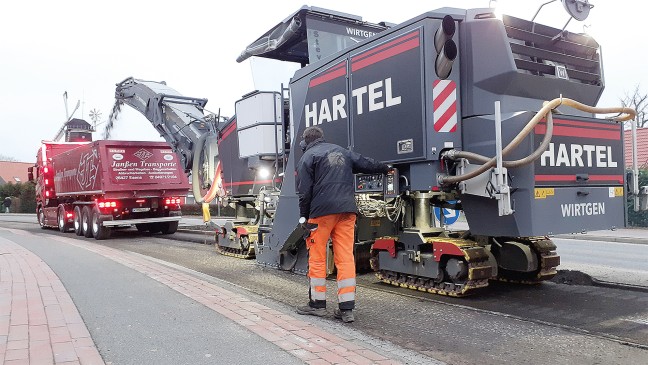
(327,104)
(581,153)
(442,101)
(387,98)
(551,207)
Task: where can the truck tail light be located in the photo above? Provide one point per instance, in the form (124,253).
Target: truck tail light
(46,181)
(69,215)
(45,170)
(47,193)
(172,201)
(107,204)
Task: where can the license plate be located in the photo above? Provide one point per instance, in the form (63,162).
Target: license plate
(137,210)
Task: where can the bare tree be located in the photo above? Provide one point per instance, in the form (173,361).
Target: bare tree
(7,158)
(638,102)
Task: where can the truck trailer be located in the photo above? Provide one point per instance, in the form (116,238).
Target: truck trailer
(97,186)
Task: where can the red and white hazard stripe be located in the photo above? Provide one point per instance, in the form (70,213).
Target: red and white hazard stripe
(444,94)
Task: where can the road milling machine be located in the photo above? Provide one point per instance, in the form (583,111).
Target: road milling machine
(488,116)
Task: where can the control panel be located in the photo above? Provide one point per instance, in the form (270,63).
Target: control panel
(369,183)
(378,183)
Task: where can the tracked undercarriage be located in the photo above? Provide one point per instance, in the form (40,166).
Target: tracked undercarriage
(541,263)
(237,240)
(459,267)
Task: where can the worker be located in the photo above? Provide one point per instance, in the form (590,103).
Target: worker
(7,204)
(325,188)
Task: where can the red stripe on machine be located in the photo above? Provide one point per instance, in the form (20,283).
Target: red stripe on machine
(448,116)
(580,132)
(391,43)
(388,53)
(615,178)
(445,93)
(333,73)
(444,101)
(229,130)
(614,127)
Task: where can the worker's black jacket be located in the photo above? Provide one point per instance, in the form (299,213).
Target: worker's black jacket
(325,178)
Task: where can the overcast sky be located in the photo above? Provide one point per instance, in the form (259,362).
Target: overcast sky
(85,47)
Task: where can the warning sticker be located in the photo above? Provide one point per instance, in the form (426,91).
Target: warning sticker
(616,191)
(543,193)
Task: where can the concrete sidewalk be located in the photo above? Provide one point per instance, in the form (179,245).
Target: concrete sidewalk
(140,310)
(39,323)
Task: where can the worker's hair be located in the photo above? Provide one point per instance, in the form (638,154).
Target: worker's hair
(312,133)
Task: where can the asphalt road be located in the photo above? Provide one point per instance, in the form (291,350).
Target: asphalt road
(507,324)
(610,261)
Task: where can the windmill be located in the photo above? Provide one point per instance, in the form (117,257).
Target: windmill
(68,117)
(74,130)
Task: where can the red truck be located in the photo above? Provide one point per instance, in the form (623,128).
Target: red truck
(93,187)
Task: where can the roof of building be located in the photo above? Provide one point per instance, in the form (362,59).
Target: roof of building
(76,123)
(642,148)
(14,172)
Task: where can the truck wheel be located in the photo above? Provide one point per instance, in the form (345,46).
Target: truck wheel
(41,218)
(142,227)
(78,227)
(169,227)
(99,231)
(85,221)
(155,227)
(63,224)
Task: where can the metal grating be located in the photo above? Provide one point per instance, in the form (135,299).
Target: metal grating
(537,49)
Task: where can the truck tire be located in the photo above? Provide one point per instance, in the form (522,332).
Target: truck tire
(78,227)
(154,227)
(99,231)
(86,215)
(63,224)
(41,218)
(169,227)
(142,227)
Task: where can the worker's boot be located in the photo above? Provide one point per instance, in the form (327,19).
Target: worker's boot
(310,311)
(345,315)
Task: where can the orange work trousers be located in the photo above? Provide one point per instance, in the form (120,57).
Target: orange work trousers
(340,228)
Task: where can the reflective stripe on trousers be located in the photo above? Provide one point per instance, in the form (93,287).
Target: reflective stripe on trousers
(317,289)
(340,228)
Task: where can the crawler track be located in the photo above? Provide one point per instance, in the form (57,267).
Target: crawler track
(479,272)
(548,261)
(235,252)
(235,245)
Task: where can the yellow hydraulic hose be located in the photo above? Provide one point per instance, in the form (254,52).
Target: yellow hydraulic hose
(624,115)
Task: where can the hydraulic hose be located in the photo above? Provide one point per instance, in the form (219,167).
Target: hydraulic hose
(195,179)
(624,115)
(471,156)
